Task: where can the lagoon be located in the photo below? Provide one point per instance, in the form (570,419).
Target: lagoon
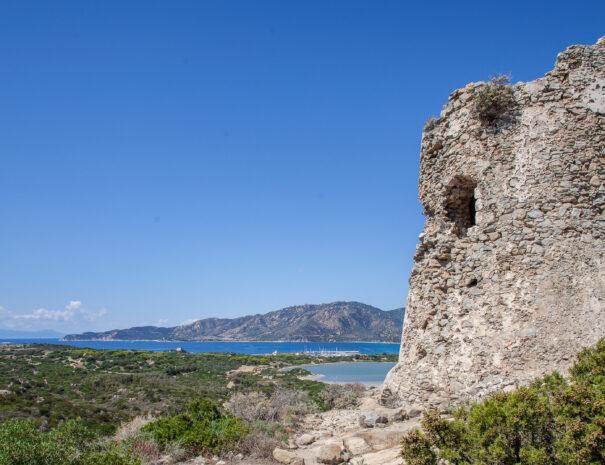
(369,373)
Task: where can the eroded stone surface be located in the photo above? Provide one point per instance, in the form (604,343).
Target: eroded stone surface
(509,276)
(356,445)
(390,456)
(330,453)
(287,457)
(305,439)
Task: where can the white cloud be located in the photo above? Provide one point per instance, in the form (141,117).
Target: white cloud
(43,314)
(73,305)
(162,322)
(189,321)
(42,318)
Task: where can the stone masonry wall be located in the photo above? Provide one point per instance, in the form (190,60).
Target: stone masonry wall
(509,276)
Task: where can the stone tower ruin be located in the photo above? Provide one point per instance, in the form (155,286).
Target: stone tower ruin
(508,280)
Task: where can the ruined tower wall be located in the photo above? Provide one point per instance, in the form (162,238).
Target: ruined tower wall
(508,280)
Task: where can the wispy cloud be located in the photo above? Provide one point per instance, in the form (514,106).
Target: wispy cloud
(73,314)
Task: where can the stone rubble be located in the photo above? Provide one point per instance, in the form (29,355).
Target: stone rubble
(337,436)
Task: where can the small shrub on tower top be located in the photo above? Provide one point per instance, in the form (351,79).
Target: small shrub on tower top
(430,124)
(494,99)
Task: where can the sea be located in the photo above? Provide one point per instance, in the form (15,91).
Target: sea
(369,373)
(365,348)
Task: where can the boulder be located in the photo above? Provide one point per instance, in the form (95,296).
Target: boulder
(330,453)
(287,457)
(385,438)
(356,445)
(397,414)
(370,419)
(305,439)
(384,457)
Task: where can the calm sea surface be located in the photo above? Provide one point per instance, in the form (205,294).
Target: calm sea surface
(236,347)
(372,373)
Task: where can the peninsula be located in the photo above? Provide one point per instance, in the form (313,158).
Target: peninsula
(332,322)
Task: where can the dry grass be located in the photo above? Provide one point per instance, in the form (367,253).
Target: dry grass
(259,445)
(147,450)
(131,429)
(255,406)
(340,396)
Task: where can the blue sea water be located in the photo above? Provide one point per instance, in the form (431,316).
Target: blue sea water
(371,373)
(365,348)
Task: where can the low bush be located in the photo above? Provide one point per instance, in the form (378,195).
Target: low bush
(280,405)
(259,444)
(494,99)
(203,427)
(21,443)
(552,421)
(70,443)
(146,449)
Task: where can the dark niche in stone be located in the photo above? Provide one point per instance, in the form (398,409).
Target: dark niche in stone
(460,204)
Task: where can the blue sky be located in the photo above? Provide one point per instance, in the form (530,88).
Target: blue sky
(168,161)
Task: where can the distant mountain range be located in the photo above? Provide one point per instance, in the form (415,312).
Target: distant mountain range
(15,334)
(333,322)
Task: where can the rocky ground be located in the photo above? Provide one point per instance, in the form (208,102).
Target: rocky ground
(366,435)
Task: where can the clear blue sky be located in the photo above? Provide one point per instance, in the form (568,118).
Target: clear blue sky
(167,161)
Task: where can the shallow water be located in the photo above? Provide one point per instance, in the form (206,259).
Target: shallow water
(370,373)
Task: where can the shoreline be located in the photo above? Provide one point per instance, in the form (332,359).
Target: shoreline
(219,340)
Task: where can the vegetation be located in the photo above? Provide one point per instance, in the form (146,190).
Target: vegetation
(430,123)
(552,421)
(203,427)
(341,396)
(494,99)
(69,443)
(53,383)
(60,404)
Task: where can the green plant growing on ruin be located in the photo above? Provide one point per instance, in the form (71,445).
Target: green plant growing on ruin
(553,421)
(494,99)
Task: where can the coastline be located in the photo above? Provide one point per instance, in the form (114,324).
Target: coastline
(222,340)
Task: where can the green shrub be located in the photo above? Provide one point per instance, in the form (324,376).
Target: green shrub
(552,421)
(203,427)
(494,99)
(70,443)
(112,455)
(21,442)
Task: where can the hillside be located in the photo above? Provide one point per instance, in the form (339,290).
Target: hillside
(337,322)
